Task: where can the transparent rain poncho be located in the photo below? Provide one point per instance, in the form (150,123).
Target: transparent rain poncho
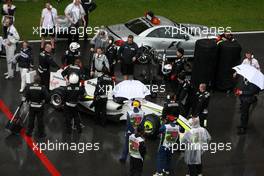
(195,142)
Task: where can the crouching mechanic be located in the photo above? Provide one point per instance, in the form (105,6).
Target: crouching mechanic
(137,152)
(73,94)
(71,54)
(134,120)
(36,95)
(193,141)
(103,86)
(77,69)
(169,135)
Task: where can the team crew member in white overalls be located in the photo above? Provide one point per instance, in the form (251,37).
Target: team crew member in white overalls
(10,46)
(48,23)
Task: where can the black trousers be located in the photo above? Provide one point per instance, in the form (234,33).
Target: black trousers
(195,169)
(4,32)
(72,113)
(244,108)
(202,118)
(112,69)
(33,114)
(73,35)
(100,110)
(136,166)
(45,79)
(86,17)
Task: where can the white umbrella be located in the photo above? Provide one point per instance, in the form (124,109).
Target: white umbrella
(131,89)
(252,74)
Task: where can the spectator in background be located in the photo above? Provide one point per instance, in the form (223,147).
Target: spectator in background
(128,55)
(99,40)
(250,60)
(75,14)
(48,23)
(88,6)
(99,61)
(10,46)
(8,11)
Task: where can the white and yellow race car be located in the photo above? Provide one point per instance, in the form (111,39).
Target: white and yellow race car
(116,110)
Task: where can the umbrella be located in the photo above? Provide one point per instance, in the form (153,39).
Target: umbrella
(252,74)
(131,89)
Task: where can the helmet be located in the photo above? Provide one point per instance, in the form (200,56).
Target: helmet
(74,46)
(136,104)
(73,78)
(167,68)
(171,118)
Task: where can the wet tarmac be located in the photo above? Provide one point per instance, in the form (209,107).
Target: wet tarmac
(244,159)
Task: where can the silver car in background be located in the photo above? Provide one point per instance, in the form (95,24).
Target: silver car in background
(160,33)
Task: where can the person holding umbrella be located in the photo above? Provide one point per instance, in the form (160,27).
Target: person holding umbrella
(253,83)
(247,96)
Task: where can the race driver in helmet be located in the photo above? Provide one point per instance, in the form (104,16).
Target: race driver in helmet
(71,54)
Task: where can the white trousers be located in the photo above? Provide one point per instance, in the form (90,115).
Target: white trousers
(10,52)
(23,72)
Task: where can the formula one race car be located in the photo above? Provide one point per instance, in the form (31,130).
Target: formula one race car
(116,110)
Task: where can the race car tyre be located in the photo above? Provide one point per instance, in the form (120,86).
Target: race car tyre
(229,56)
(205,60)
(151,126)
(56,98)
